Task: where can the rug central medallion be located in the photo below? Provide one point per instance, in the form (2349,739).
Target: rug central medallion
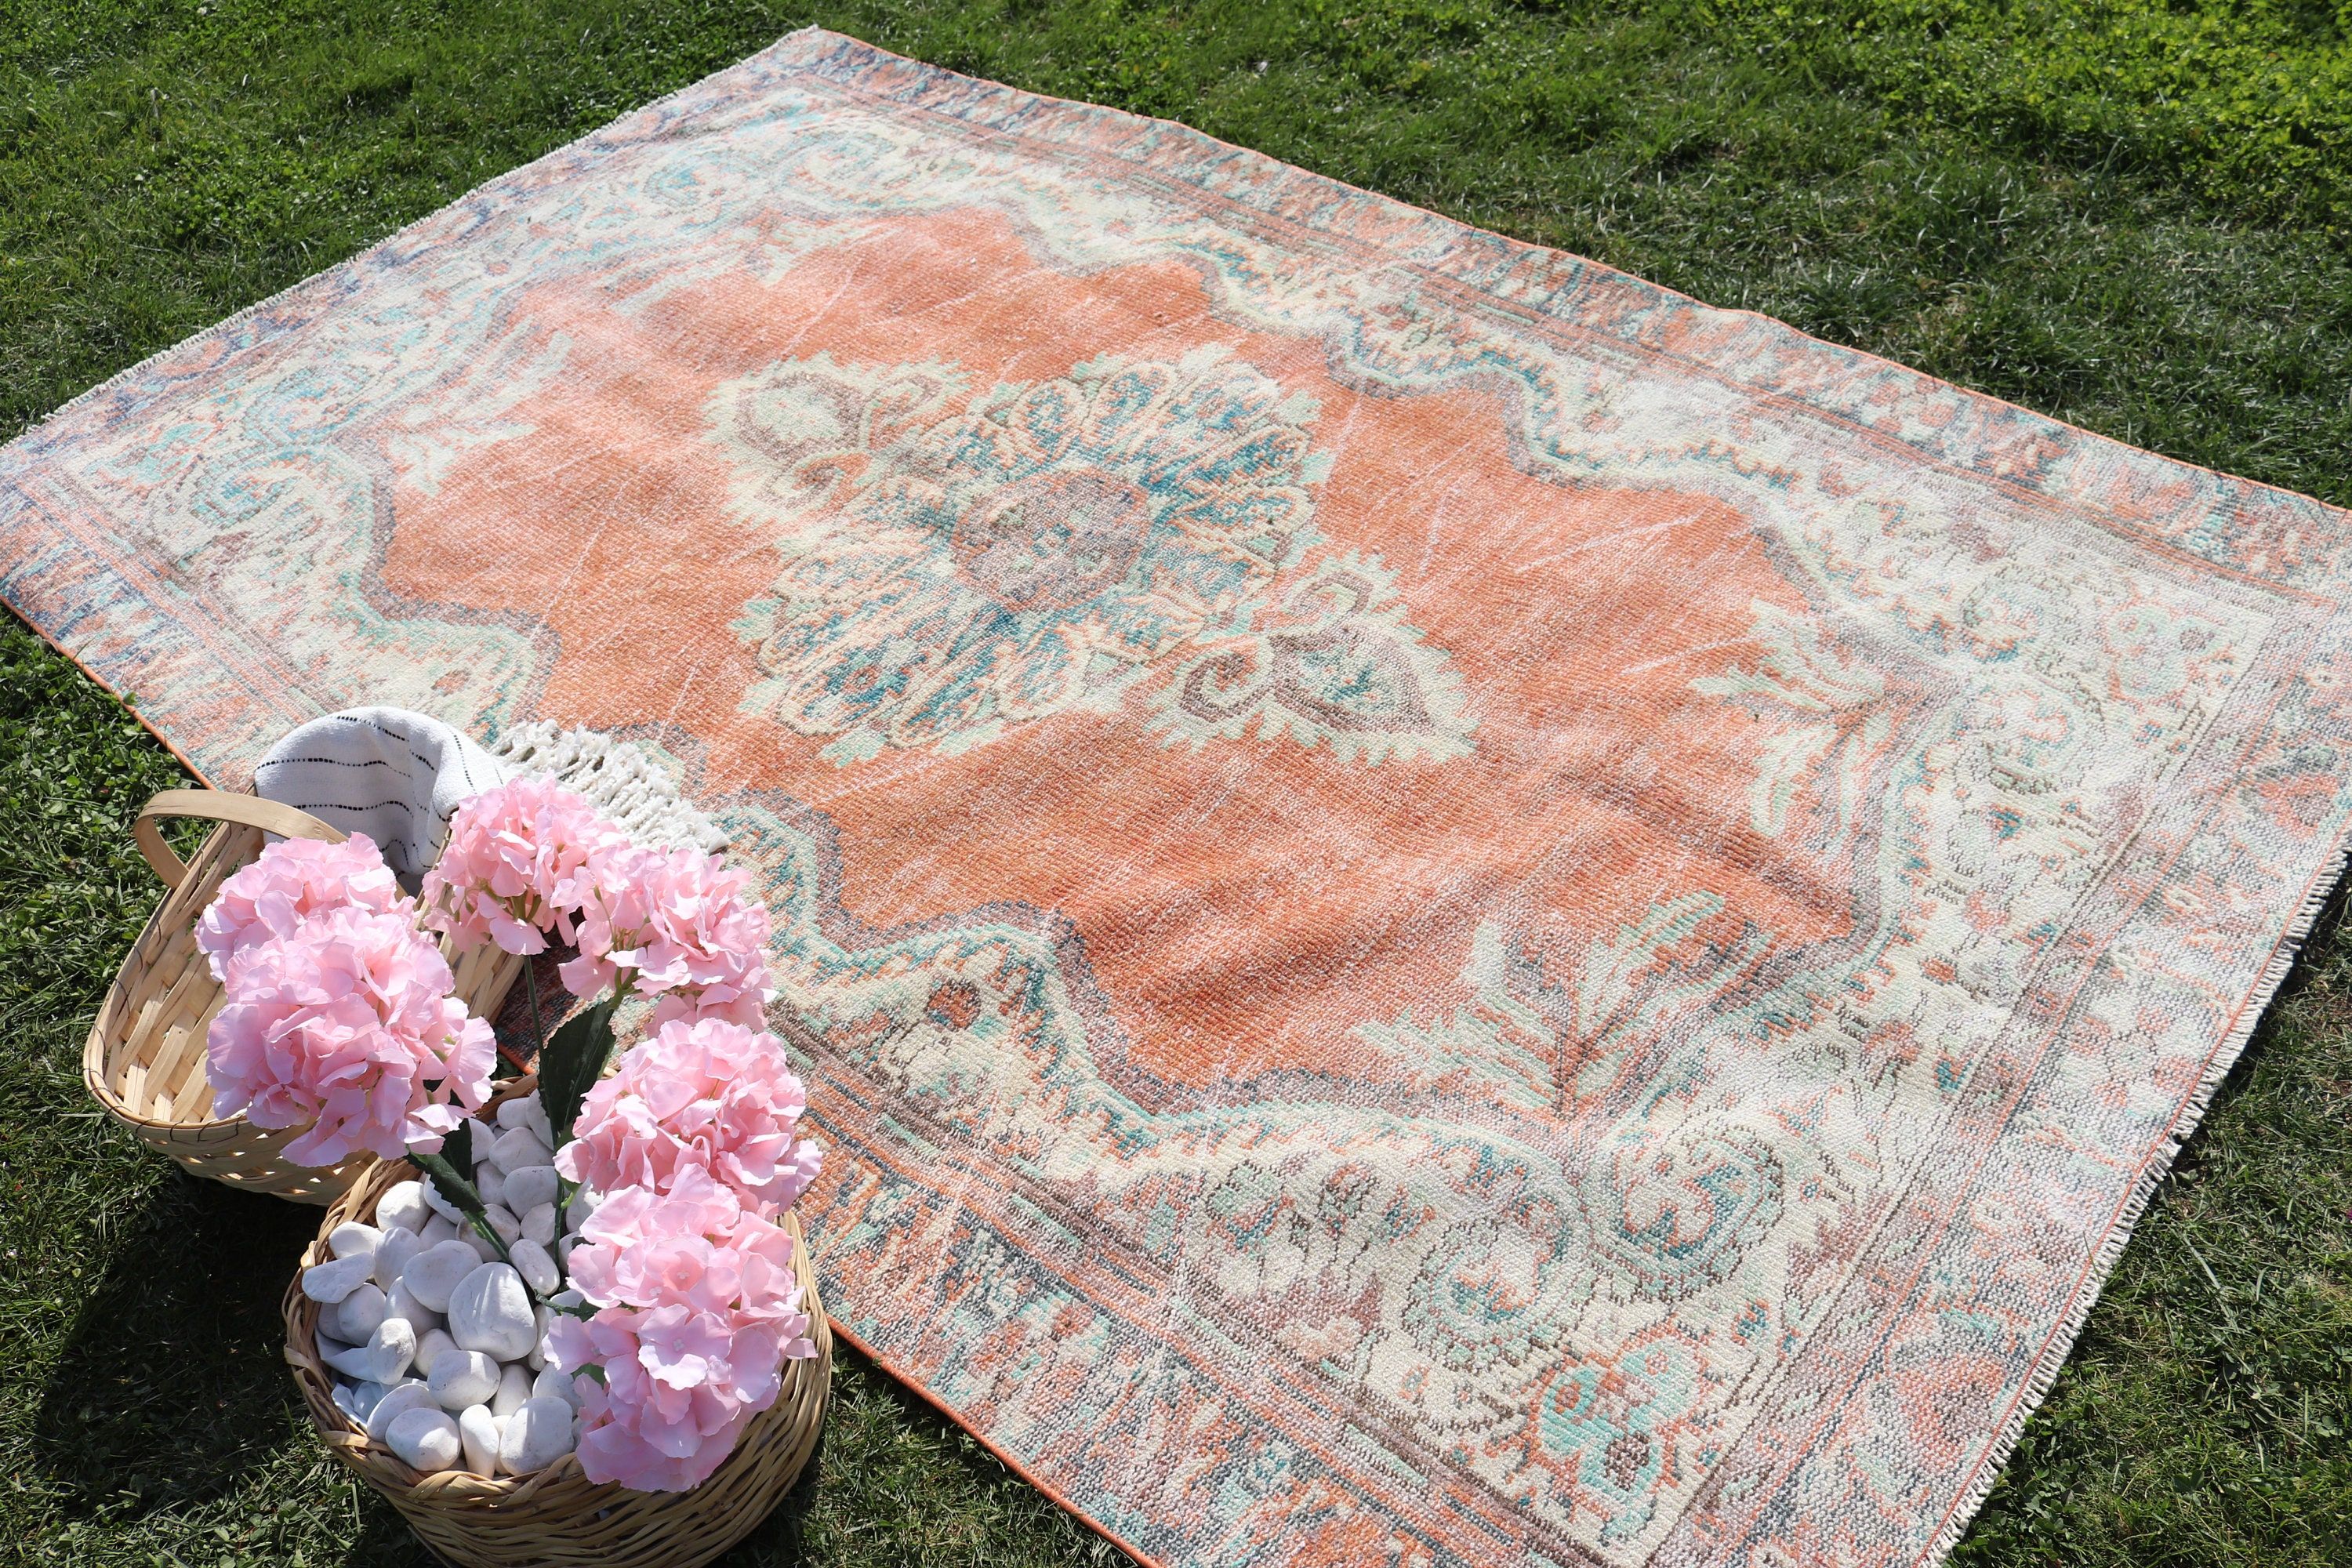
(1133,536)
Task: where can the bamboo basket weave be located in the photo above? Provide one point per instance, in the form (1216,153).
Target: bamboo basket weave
(144,1061)
(558,1518)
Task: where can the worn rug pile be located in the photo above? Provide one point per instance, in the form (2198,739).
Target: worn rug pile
(1448,909)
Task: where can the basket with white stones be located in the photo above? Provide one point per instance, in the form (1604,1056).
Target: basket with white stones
(476,1448)
(571,1319)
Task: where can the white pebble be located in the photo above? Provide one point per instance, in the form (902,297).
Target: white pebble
(479,1429)
(535,1436)
(431,1346)
(396,1402)
(528,1186)
(439,1230)
(519,1147)
(552,1383)
(539,1225)
(484,1249)
(536,1267)
(402,1303)
(441,1205)
(582,1208)
(400,1244)
(490,1311)
(346,1402)
(435,1274)
(463,1377)
(403,1205)
(386,1355)
(425,1440)
(492,1186)
(502,1220)
(350,1238)
(514,1390)
(357,1314)
(330,1282)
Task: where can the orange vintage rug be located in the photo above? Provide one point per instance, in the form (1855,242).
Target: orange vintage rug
(1454,910)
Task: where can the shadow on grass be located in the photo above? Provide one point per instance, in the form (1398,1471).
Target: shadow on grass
(171,1385)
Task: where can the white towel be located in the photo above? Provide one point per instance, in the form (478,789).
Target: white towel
(394,776)
(398,777)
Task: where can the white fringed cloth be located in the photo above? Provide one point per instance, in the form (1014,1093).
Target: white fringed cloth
(398,776)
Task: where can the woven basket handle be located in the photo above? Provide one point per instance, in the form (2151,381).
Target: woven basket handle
(220,805)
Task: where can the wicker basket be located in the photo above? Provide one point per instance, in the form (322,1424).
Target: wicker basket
(145,1058)
(557,1516)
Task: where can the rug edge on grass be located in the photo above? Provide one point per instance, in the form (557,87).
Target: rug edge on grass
(135,630)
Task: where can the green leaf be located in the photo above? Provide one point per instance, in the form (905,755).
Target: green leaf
(572,1061)
(451,1171)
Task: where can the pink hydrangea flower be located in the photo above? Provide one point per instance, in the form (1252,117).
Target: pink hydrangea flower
(679,924)
(288,882)
(517,866)
(698,1310)
(709,1095)
(347,1028)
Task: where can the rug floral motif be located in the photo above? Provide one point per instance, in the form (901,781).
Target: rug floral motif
(1443,908)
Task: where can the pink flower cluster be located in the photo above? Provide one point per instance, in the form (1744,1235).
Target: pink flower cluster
(521,861)
(698,1310)
(345,1025)
(286,883)
(530,859)
(710,1095)
(679,923)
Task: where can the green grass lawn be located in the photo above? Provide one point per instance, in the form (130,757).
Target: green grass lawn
(2130,215)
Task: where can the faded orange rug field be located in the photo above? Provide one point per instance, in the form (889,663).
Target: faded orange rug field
(1454,910)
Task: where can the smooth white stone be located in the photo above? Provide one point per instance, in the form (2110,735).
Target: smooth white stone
(357,1314)
(404,1303)
(387,1354)
(539,1225)
(363,1397)
(329,1347)
(519,1147)
(479,1430)
(490,1184)
(552,1383)
(485,1250)
(502,1220)
(463,1377)
(431,1346)
(439,1230)
(535,1436)
(535,1265)
(486,1132)
(425,1440)
(516,1112)
(352,1238)
(514,1390)
(565,1246)
(403,1205)
(348,1403)
(528,1186)
(397,1401)
(434,1275)
(330,1282)
(490,1311)
(400,1244)
(582,1209)
(441,1205)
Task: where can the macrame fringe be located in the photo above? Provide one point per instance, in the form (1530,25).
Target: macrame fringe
(617,776)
